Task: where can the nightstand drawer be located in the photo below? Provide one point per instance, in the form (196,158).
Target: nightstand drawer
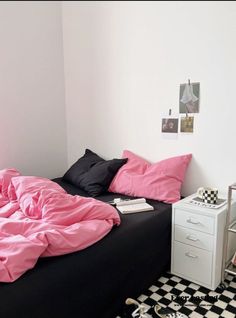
(194,221)
(194,238)
(192,262)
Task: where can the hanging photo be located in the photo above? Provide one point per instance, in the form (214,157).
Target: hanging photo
(189,98)
(169,125)
(186,124)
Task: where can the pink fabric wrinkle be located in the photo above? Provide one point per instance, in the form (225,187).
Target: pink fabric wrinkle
(38,218)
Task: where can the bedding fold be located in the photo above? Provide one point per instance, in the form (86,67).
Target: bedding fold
(38,218)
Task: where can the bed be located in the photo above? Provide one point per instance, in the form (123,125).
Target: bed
(94,282)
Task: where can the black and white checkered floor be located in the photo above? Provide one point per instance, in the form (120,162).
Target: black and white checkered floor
(190,299)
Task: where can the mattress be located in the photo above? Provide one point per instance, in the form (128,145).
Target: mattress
(94,282)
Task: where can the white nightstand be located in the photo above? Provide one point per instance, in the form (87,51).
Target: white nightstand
(197,242)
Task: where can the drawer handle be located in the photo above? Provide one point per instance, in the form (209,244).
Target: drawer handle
(192,238)
(193,222)
(191,255)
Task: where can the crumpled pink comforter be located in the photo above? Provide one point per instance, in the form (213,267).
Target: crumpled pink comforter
(38,218)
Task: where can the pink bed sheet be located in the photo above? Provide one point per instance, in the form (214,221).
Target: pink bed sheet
(38,218)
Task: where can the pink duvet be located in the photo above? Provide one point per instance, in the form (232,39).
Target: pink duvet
(38,218)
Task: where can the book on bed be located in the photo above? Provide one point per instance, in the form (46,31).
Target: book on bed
(133,206)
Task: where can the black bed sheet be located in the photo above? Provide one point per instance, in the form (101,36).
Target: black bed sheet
(94,282)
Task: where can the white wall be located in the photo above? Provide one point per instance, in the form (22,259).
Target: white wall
(124,62)
(32,105)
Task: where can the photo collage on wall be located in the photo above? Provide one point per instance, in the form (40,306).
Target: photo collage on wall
(188,105)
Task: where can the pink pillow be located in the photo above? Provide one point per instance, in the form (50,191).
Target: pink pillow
(159,181)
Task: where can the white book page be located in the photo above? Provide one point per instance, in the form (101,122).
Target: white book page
(131,202)
(132,208)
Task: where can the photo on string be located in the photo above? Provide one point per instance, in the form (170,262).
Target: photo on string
(189,98)
(170,125)
(186,124)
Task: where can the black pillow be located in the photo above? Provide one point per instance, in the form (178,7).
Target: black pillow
(92,173)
